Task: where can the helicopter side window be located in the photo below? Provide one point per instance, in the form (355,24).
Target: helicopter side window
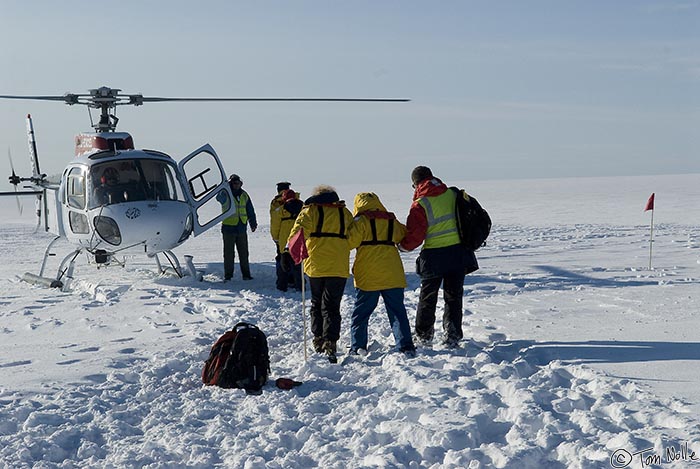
(75,188)
(78,222)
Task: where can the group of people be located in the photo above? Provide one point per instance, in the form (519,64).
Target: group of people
(330,232)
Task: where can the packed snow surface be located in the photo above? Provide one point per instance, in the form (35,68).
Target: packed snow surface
(578,355)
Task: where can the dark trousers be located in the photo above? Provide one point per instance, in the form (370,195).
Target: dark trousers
(453,291)
(286,279)
(326,294)
(240,242)
(366,302)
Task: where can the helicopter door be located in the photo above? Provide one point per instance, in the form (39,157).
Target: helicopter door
(207,188)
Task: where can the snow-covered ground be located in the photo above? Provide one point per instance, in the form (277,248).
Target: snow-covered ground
(579,355)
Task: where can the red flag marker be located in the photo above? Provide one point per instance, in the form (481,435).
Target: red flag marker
(297,247)
(650,203)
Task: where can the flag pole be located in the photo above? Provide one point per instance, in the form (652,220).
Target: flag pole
(651,237)
(298,252)
(647,207)
(303,309)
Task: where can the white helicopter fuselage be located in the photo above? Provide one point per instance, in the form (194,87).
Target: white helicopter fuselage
(124,200)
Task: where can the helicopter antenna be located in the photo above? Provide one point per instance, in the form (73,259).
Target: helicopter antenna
(107,99)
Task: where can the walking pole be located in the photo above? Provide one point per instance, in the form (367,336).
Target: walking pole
(303,309)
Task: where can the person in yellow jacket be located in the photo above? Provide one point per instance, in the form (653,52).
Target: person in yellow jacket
(280,225)
(378,271)
(325,221)
(276,202)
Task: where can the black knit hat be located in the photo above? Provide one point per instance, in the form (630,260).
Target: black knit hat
(420,173)
(281,186)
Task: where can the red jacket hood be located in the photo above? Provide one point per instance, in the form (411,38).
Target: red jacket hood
(429,188)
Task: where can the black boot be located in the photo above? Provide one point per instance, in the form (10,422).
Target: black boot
(329,348)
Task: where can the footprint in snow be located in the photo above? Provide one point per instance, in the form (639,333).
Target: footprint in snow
(125,339)
(96,378)
(68,362)
(17,363)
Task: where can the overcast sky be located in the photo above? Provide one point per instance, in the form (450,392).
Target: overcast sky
(508,89)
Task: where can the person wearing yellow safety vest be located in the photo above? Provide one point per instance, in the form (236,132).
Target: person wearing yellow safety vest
(378,271)
(235,227)
(325,221)
(443,260)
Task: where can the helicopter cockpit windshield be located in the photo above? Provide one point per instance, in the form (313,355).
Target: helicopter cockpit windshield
(134,180)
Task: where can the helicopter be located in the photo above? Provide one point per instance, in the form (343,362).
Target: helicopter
(112,199)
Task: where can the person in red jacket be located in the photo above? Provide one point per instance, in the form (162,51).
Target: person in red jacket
(443,260)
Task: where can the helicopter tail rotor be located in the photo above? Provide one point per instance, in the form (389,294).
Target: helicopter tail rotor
(14,180)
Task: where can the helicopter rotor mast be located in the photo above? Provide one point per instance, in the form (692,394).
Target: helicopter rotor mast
(106,99)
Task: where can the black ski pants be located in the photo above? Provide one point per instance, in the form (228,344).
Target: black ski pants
(240,242)
(326,294)
(453,291)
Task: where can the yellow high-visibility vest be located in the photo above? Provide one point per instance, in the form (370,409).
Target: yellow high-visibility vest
(241,212)
(442,224)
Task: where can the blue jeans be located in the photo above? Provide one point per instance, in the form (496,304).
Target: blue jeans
(366,302)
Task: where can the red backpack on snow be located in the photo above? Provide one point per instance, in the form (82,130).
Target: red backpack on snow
(239,359)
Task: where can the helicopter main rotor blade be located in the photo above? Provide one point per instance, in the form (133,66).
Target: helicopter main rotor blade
(39,98)
(68,98)
(106,98)
(155,99)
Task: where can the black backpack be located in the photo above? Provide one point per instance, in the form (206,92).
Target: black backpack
(473,222)
(239,359)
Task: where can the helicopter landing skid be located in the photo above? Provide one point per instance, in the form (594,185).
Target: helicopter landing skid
(174,264)
(175,267)
(52,282)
